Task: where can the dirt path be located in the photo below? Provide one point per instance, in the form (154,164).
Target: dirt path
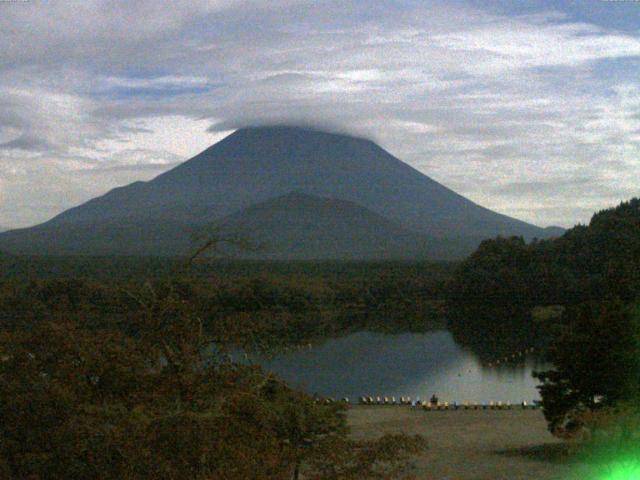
(474,444)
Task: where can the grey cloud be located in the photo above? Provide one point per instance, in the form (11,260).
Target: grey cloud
(132,160)
(27,142)
(545,187)
(138,167)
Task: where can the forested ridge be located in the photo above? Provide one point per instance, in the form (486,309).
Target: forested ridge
(577,296)
(256,306)
(588,262)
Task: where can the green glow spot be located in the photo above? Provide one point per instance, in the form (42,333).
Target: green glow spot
(629,470)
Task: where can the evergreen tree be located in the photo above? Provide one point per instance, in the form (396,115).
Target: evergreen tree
(596,364)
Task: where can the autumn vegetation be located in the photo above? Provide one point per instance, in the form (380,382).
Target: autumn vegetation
(128,378)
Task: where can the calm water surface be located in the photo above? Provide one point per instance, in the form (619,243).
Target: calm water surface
(408,364)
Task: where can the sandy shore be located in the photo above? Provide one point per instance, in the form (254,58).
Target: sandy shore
(473,444)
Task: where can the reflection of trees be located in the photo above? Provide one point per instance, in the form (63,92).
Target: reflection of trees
(493,334)
(491,293)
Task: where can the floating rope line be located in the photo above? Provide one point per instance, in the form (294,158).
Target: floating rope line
(514,356)
(431,406)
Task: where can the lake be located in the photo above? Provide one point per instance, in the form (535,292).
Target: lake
(408,364)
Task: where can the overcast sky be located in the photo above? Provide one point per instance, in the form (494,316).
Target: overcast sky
(529,108)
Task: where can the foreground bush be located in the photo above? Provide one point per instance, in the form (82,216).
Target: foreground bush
(149,399)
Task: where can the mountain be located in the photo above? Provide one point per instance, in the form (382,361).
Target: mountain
(122,236)
(300,226)
(553,231)
(253,166)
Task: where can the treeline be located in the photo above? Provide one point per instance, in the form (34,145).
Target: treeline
(248,305)
(589,282)
(492,294)
(587,263)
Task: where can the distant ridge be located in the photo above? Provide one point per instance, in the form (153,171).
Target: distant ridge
(253,166)
(300,226)
(554,231)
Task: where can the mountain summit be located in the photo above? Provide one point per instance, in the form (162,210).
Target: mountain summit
(255,165)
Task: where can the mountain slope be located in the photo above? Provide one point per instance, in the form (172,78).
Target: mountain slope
(130,236)
(255,164)
(300,226)
(252,166)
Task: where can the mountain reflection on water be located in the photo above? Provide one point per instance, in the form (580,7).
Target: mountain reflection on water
(408,364)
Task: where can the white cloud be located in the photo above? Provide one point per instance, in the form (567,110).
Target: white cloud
(506,45)
(180,136)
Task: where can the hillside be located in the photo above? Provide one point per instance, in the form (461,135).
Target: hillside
(254,165)
(587,263)
(299,226)
(127,236)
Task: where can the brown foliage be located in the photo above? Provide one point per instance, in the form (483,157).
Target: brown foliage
(150,399)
